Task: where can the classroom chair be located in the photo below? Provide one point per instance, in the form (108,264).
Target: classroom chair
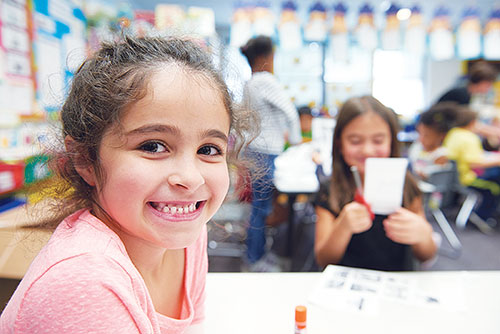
(227,228)
(470,198)
(441,190)
(226,232)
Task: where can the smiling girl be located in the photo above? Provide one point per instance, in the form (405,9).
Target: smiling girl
(345,233)
(145,127)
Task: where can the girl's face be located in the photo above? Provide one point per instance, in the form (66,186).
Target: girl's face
(366,136)
(165,171)
(429,138)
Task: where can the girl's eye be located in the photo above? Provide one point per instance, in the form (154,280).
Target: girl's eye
(355,141)
(209,150)
(379,140)
(153,147)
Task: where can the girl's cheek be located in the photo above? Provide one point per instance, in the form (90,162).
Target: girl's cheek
(384,152)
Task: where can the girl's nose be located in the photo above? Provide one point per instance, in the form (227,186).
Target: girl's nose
(187,176)
(368,149)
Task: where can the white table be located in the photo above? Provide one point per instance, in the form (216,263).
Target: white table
(265,302)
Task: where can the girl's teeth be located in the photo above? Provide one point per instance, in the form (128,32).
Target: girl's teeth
(172,209)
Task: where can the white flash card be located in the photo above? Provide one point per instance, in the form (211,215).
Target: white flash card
(384,182)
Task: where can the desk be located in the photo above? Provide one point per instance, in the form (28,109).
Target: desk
(295,175)
(265,302)
(18,245)
(291,199)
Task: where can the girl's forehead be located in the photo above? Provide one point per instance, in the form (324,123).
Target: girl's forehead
(369,118)
(174,94)
(187,79)
(425,127)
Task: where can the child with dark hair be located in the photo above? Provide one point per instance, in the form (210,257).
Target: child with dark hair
(145,129)
(279,122)
(306,119)
(428,153)
(345,232)
(480,79)
(476,168)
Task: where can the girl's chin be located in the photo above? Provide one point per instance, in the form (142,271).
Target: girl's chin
(182,241)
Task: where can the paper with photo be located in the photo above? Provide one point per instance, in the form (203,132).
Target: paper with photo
(384,182)
(340,290)
(366,291)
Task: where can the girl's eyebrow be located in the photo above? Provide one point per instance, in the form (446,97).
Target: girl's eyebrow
(174,130)
(360,134)
(379,134)
(154,128)
(213,133)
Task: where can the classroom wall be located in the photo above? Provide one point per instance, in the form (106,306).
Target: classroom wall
(439,77)
(224,8)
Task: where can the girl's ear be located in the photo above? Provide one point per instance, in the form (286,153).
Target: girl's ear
(80,161)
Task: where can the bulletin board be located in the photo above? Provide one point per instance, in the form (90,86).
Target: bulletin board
(59,45)
(16,75)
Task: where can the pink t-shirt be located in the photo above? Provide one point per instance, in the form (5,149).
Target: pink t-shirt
(83,281)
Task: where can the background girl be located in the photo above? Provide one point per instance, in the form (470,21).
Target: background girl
(145,127)
(345,234)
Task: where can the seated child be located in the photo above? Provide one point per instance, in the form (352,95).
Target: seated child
(305,117)
(476,168)
(345,232)
(427,154)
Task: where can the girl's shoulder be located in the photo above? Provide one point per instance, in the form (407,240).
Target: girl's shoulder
(71,291)
(82,249)
(80,294)
(322,197)
(82,233)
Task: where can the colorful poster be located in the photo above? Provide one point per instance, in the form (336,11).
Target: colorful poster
(290,35)
(492,36)
(16,78)
(169,17)
(263,19)
(315,29)
(391,35)
(59,48)
(469,34)
(339,34)
(200,21)
(441,45)
(415,36)
(144,23)
(241,25)
(366,33)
